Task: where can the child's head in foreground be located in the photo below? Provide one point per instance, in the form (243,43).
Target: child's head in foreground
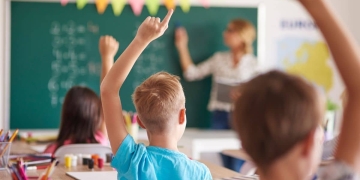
(160,104)
(278,118)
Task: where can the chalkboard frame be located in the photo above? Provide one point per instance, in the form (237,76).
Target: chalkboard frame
(5,74)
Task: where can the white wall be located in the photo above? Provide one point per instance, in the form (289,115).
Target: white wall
(2,62)
(349,13)
(347,9)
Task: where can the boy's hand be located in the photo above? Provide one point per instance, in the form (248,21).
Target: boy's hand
(152,28)
(108,47)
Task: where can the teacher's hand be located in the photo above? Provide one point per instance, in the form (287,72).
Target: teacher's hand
(181,38)
(235,94)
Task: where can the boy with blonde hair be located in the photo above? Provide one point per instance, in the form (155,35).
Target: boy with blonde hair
(160,103)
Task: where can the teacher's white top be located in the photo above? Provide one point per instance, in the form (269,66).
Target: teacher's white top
(220,66)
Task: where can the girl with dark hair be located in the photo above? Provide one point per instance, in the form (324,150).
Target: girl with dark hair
(81,116)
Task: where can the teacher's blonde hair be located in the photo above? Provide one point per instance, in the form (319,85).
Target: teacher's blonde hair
(247,32)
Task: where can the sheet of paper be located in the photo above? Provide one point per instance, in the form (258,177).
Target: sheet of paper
(108,175)
(38,148)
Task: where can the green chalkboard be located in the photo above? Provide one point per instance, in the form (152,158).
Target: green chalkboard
(55,47)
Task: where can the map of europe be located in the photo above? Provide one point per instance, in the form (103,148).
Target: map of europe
(307,58)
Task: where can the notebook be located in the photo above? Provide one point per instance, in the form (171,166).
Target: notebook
(95,175)
(223,91)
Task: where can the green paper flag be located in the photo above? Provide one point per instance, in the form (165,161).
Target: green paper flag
(118,6)
(152,6)
(185,5)
(81,3)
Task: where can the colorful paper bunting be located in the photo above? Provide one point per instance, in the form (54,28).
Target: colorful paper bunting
(64,2)
(136,6)
(205,3)
(169,4)
(185,5)
(101,5)
(152,6)
(81,3)
(118,6)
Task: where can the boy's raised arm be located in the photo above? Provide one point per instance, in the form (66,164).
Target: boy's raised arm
(108,47)
(149,30)
(347,59)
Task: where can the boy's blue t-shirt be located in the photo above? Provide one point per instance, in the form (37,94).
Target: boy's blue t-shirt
(138,162)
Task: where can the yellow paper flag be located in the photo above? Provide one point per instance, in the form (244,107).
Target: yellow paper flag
(152,6)
(101,5)
(170,4)
(81,3)
(118,6)
(185,5)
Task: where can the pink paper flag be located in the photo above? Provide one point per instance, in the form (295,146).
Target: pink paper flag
(136,6)
(205,3)
(64,2)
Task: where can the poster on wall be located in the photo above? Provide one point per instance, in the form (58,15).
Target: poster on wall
(293,43)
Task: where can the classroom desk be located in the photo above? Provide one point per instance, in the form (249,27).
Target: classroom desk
(237,153)
(217,172)
(19,147)
(196,141)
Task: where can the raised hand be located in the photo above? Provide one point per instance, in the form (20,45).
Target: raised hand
(181,38)
(108,47)
(153,28)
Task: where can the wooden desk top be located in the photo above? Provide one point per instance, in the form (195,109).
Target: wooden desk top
(19,147)
(238,153)
(60,172)
(217,172)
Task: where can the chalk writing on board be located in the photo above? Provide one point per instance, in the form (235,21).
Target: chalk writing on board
(69,65)
(92,27)
(149,61)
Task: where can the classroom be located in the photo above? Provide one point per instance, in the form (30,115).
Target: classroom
(65,61)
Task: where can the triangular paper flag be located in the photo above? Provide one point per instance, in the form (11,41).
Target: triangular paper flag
(170,4)
(185,5)
(118,6)
(152,6)
(81,3)
(101,5)
(64,2)
(136,6)
(205,3)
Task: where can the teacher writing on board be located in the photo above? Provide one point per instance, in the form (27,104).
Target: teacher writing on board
(227,68)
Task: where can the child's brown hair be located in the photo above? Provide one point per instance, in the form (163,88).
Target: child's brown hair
(157,100)
(275,112)
(80,116)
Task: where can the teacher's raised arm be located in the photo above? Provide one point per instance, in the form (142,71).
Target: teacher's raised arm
(228,68)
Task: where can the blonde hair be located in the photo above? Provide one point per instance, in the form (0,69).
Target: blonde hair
(158,100)
(247,32)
